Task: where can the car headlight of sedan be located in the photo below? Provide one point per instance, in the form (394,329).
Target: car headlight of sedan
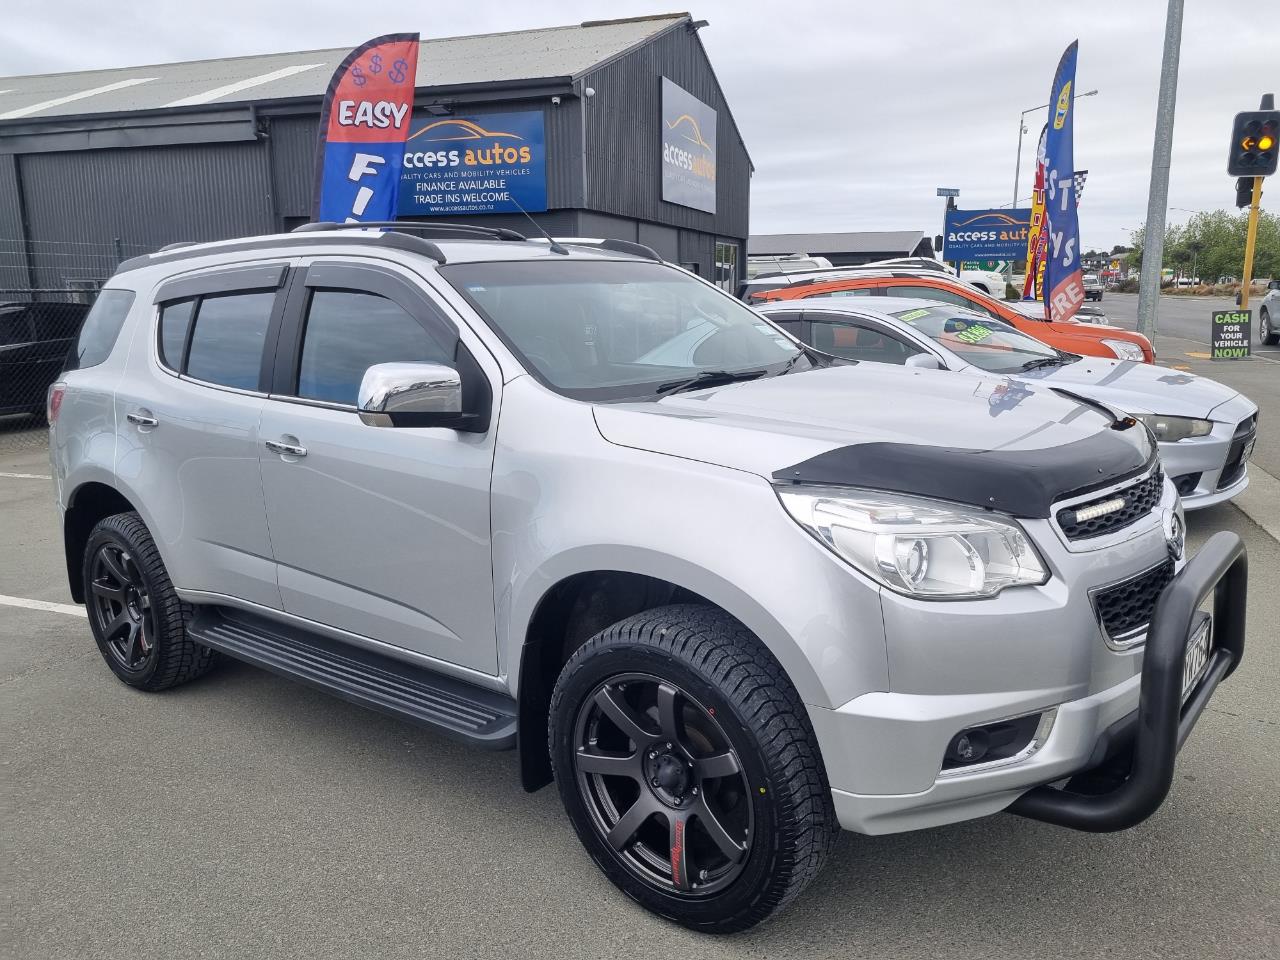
(1173,429)
(921,548)
(1124,349)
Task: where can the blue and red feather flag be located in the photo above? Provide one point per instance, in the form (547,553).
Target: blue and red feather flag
(1063,281)
(363,126)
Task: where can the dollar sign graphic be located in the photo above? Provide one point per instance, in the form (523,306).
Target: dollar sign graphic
(398,71)
(358,77)
(375,64)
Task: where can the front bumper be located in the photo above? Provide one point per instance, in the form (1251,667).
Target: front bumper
(1213,469)
(885,731)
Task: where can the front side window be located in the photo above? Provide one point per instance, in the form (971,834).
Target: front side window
(347,332)
(619,329)
(228,339)
(100,330)
(852,340)
(988,344)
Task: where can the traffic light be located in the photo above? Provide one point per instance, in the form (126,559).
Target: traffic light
(1244,191)
(1255,143)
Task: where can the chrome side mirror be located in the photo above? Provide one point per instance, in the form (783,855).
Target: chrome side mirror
(410,395)
(924,361)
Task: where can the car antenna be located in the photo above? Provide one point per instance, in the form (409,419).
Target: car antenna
(556,247)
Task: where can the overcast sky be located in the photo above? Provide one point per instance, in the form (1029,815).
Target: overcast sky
(853,112)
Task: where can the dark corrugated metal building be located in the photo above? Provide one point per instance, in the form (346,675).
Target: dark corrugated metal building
(135,158)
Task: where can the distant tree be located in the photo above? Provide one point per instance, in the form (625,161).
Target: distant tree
(1212,243)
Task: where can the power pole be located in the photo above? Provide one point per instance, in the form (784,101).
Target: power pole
(1158,197)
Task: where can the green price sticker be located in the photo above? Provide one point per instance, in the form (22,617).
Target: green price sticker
(974,333)
(911,315)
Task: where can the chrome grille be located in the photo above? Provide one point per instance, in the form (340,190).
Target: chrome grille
(1124,609)
(1139,500)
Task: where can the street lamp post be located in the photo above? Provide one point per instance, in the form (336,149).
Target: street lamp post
(1022,128)
(1017,166)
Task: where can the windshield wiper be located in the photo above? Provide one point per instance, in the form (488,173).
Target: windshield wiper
(708,378)
(1044,362)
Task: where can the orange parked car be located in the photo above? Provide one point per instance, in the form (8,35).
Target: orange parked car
(1089,339)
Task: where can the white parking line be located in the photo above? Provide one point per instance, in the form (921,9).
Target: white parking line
(25,476)
(67,608)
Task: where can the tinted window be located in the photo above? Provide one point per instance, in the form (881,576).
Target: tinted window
(854,341)
(347,333)
(15,326)
(939,295)
(226,346)
(101,327)
(175,318)
(789,322)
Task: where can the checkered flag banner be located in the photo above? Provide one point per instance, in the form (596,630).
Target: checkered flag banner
(1079,177)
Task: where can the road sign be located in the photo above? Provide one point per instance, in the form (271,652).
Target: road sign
(1231,335)
(948,192)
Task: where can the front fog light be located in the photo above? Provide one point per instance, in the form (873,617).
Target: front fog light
(922,548)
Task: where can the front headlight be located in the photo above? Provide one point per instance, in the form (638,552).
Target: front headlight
(1173,429)
(1124,349)
(921,548)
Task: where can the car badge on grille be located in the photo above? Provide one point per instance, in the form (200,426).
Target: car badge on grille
(1085,514)
(1175,534)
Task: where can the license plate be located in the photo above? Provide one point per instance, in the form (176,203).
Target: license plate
(1197,658)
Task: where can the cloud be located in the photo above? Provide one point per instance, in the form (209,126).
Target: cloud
(852,112)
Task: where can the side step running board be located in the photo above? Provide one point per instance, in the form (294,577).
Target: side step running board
(481,717)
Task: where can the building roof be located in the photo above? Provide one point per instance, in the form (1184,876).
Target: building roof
(866,241)
(568,51)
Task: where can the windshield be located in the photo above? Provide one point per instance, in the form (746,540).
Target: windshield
(621,329)
(984,342)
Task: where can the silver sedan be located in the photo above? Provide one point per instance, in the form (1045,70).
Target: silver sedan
(1206,430)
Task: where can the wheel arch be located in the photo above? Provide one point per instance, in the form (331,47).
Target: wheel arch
(87,504)
(576,605)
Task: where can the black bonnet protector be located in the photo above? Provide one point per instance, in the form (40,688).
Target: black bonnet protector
(1024,483)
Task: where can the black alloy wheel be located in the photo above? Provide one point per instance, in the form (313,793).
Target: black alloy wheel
(120,604)
(663,784)
(137,618)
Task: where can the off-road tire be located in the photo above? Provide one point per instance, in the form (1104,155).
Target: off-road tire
(719,662)
(174,657)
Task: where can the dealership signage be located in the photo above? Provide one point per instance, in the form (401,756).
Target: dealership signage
(688,149)
(986,234)
(496,163)
(1231,335)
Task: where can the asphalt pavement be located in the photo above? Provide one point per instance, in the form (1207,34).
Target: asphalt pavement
(244,816)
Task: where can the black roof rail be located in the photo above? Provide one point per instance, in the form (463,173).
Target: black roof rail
(415,226)
(397,241)
(619,246)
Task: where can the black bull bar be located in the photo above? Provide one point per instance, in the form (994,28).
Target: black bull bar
(1162,722)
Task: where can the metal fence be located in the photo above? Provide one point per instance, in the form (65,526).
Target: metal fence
(46,290)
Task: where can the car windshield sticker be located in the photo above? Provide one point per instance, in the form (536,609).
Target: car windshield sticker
(974,333)
(911,315)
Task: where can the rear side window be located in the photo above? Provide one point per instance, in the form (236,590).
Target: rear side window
(100,330)
(347,332)
(228,339)
(175,320)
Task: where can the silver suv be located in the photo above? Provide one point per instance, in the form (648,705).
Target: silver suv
(568,499)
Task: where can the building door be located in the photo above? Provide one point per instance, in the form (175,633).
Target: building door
(726,266)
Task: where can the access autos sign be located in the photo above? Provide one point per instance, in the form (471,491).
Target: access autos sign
(688,149)
(496,163)
(986,234)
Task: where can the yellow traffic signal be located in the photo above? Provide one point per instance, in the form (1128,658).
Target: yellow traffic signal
(1254,150)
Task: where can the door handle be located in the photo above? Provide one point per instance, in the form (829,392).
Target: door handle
(141,419)
(286,449)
